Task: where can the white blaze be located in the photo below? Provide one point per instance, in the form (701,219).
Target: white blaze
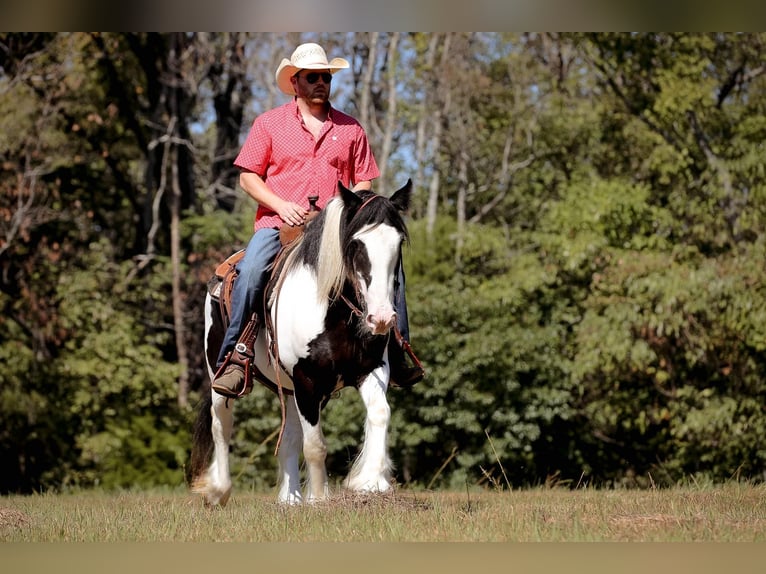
(382,243)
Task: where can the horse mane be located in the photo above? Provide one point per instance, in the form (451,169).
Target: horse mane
(331,269)
(322,236)
(322,245)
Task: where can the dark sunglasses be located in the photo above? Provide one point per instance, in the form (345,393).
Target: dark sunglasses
(312,77)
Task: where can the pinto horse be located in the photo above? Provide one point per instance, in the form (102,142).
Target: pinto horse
(332,315)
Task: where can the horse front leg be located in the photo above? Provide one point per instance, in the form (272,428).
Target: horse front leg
(215,484)
(314,447)
(289,480)
(371,471)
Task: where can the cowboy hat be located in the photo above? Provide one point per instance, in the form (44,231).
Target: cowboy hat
(306,57)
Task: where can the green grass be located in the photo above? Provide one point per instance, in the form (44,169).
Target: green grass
(733,512)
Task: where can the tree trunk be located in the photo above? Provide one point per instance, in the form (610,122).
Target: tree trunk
(438,121)
(462,190)
(231,94)
(365,106)
(178,295)
(390,123)
(422,124)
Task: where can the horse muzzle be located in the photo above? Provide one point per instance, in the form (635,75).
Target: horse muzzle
(380,323)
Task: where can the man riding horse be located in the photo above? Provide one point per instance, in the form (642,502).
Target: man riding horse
(295,151)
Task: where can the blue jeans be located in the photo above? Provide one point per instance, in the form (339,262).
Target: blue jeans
(247,295)
(400,303)
(253,274)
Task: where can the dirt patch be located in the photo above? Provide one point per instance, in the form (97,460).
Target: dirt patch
(654,520)
(376,501)
(12,518)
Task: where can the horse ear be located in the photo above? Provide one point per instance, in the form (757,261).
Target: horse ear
(350,199)
(401,197)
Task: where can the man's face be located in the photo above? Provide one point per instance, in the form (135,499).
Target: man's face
(313,85)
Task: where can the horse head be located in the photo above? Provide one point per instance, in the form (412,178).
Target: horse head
(371,234)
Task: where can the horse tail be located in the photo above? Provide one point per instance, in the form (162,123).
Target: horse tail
(202,438)
(330,267)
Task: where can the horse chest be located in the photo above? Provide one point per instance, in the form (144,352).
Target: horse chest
(339,357)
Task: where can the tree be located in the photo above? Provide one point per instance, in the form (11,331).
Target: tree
(585,276)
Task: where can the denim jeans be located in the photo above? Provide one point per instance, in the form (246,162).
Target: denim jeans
(247,295)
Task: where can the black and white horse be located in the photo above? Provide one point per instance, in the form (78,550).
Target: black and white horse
(333,315)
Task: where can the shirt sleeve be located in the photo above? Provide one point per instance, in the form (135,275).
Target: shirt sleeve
(256,151)
(365,168)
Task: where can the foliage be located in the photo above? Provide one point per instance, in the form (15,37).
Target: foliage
(585,277)
(122,392)
(495,342)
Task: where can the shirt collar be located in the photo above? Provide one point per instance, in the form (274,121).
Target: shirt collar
(297,112)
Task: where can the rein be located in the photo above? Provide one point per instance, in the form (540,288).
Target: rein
(271,327)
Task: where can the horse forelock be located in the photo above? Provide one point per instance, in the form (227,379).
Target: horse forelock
(375,210)
(379,226)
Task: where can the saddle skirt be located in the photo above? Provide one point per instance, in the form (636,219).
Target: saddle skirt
(221,284)
(220,288)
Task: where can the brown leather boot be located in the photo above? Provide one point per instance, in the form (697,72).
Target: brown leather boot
(231,382)
(402,375)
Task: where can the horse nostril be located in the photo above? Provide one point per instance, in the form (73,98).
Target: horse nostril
(379,324)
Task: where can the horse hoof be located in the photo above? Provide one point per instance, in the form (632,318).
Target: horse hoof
(212,497)
(217,500)
(374,486)
(291,500)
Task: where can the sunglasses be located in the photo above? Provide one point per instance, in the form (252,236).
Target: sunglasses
(313,77)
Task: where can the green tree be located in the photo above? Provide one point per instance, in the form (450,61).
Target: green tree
(585,278)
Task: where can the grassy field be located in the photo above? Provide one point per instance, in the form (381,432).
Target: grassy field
(727,513)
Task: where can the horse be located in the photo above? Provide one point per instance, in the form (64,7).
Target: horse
(332,316)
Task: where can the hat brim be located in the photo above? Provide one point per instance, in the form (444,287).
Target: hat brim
(286,70)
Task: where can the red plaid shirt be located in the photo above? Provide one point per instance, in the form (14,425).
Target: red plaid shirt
(283,152)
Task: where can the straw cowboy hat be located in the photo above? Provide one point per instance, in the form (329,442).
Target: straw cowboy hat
(306,57)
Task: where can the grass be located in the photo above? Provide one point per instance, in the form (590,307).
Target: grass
(733,512)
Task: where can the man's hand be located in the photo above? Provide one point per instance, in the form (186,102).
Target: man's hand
(292,213)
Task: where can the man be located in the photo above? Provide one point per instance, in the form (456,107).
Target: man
(294,151)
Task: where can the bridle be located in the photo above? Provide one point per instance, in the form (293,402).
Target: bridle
(354,308)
